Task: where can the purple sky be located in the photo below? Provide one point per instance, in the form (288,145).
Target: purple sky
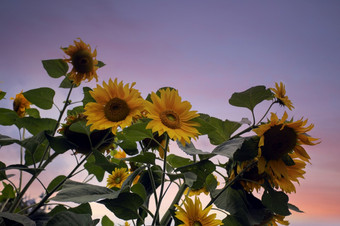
(205,49)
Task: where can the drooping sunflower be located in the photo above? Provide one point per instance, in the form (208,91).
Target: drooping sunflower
(194,215)
(20,104)
(117,178)
(84,62)
(171,115)
(280,153)
(116,105)
(280,94)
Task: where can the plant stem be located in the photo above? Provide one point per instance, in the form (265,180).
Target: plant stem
(166,218)
(48,194)
(155,219)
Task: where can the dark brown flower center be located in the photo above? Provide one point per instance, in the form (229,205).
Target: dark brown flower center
(116,110)
(278,142)
(82,61)
(170,119)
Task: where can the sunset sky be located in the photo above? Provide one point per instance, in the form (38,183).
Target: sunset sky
(205,49)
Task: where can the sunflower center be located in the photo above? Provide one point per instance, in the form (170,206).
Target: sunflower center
(116,110)
(82,61)
(170,119)
(278,142)
(197,223)
(117,180)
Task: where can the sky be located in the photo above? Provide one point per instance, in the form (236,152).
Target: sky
(207,50)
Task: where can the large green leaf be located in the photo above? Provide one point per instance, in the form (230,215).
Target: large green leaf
(202,169)
(77,192)
(94,169)
(6,140)
(129,147)
(41,97)
(248,150)
(177,161)
(70,219)
(87,96)
(36,125)
(137,132)
(276,201)
(66,83)
(32,171)
(7,117)
(55,182)
(106,221)
(102,161)
(12,218)
(190,149)
(146,157)
(2,173)
(7,192)
(125,206)
(60,144)
(229,147)
(251,97)
(55,67)
(33,112)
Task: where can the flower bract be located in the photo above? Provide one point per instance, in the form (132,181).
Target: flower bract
(83,60)
(171,115)
(116,105)
(193,215)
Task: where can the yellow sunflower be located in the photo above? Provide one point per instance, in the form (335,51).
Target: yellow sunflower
(280,152)
(171,115)
(116,105)
(84,62)
(280,94)
(194,215)
(20,104)
(117,178)
(195,192)
(120,154)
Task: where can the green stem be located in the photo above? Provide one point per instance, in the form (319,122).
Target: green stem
(167,216)
(155,219)
(48,194)
(21,160)
(265,113)
(230,183)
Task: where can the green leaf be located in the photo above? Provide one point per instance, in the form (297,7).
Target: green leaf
(231,220)
(294,208)
(129,147)
(41,97)
(125,206)
(177,161)
(146,157)
(33,112)
(139,190)
(210,183)
(137,132)
(66,83)
(190,149)
(222,130)
(60,144)
(103,162)
(248,150)
(70,219)
(205,127)
(87,96)
(146,181)
(10,218)
(55,68)
(55,182)
(92,168)
(251,97)
(35,156)
(100,64)
(76,110)
(83,208)
(202,169)
(36,125)
(229,147)
(6,140)
(81,192)
(2,173)
(276,201)
(2,95)
(7,117)
(80,127)
(7,192)
(106,221)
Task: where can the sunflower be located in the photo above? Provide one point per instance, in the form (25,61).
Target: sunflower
(172,115)
(117,178)
(120,154)
(194,215)
(274,220)
(116,105)
(195,192)
(84,62)
(281,155)
(20,104)
(280,94)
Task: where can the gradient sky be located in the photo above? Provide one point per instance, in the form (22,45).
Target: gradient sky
(205,49)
